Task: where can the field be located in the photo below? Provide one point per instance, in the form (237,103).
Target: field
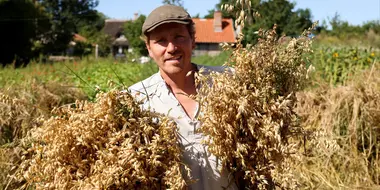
(341,106)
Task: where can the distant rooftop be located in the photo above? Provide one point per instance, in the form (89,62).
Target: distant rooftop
(206,33)
(114,27)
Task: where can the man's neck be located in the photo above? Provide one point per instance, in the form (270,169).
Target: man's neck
(181,82)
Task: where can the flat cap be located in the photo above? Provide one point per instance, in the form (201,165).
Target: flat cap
(165,14)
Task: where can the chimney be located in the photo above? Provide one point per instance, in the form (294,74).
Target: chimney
(136,15)
(218,21)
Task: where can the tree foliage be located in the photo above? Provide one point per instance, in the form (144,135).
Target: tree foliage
(44,27)
(95,35)
(132,31)
(279,12)
(173,2)
(343,29)
(225,13)
(18,31)
(67,18)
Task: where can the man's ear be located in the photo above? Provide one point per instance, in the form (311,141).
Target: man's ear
(148,48)
(193,44)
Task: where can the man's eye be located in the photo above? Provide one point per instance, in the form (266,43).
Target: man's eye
(180,38)
(160,41)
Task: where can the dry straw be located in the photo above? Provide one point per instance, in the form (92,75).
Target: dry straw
(109,144)
(343,149)
(248,116)
(20,107)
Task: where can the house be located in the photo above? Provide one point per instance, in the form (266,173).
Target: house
(79,38)
(75,48)
(114,28)
(210,33)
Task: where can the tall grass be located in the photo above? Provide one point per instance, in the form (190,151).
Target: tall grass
(343,150)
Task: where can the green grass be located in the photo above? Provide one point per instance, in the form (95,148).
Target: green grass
(333,65)
(89,75)
(212,60)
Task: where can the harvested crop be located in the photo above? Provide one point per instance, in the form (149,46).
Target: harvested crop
(343,150)
(248,117)
(109,144)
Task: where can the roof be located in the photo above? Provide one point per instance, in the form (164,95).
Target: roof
(204,31)
(79,38)
(114,27)
(120,41)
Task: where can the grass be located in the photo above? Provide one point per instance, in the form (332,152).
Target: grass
(335,65)
(370,39)
(91,75)
(212,60)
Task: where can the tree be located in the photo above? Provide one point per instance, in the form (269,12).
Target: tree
(225,13)
(93,30)
(373,25)
(173,2)
(132,31)
(232,13)
(67,18)
(95,35)
(279,12)
(19,31)
(344,30)
(45,26)
(196,16)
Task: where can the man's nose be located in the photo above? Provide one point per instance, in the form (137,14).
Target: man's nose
(171,48)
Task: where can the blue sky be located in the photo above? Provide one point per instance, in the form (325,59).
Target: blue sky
(354,11)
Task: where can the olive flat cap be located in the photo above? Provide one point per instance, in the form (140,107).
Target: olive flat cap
(165,14)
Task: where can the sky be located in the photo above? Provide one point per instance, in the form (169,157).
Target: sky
(356,12)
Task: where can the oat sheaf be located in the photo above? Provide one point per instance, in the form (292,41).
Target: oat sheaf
(109,144)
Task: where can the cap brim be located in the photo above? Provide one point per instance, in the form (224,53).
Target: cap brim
(167,21)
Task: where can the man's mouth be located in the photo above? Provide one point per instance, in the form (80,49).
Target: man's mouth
(175,58)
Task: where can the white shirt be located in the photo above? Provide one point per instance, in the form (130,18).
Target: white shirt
(205,167)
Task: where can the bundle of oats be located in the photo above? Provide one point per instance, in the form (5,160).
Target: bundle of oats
(248,116)
(109,144)
(20,107)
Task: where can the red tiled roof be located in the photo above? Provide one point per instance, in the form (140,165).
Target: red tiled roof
(79,38)
(204,31)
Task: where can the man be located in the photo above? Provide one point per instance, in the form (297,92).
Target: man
(169,36)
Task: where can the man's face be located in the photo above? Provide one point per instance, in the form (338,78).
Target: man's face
(170,45)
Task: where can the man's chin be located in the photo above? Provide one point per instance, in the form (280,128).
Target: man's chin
(173,69)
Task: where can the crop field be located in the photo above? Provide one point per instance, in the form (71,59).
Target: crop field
(340,106)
